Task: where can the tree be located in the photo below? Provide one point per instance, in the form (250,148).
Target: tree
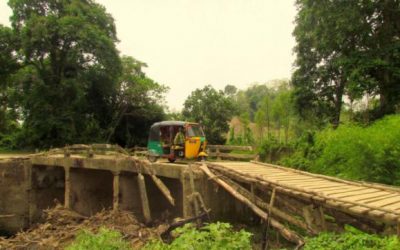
(230,90)
(9,64)
(211,108)
(345,47)
(254,96)
(281,111)
(138,105)
(66,85)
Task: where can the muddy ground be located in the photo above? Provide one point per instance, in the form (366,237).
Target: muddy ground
(61,226)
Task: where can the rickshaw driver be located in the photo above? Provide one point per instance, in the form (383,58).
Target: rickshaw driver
(179,142)
(179,138)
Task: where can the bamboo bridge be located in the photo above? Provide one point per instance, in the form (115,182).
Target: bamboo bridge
(88,179)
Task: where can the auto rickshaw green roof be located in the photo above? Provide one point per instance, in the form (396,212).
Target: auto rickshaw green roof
(171,123)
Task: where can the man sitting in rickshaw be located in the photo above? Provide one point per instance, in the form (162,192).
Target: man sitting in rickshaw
(179,141)
(179,137)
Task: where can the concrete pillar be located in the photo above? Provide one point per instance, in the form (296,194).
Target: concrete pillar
(116,190)
(29,194)
(144,198)
(187,210)
(67,194)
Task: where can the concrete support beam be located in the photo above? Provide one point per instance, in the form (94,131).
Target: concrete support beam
(144,198)
(187,210)
(29,193)
(67,194)
(116,190)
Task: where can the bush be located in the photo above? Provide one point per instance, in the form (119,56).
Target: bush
(354,152)
(272,150)
(105,239)
(210,237)
(371,153)
(351,239)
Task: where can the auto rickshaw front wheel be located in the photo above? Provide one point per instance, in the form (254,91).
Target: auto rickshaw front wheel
(152,158)
(171,160)
(202,158)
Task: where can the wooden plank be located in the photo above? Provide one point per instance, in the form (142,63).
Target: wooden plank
(356,193)
(344,190)
(333,188)
(374,197)
(257,171)
(290,178)
(318,186)
(230,147)
(246,170)
(385,202)
(393,206)
(233,156)
(300,181)
(332,185)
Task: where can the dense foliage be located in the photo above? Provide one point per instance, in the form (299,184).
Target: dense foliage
(211,108)
(355,152)
(62,80)
(269,107)
(346,48)
(105,239)
(351,239)
(212,236)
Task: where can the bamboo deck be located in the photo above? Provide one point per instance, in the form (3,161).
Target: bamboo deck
(379,202)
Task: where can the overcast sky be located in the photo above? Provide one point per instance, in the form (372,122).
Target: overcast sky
(190,43)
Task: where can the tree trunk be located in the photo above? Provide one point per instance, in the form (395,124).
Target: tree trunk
(338,103)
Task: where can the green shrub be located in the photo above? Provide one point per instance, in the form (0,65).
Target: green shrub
(272,150)
(371,153)
(354,152)
(105,239)
(210,237)
(352,239)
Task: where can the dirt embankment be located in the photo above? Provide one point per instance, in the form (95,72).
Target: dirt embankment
(62,225)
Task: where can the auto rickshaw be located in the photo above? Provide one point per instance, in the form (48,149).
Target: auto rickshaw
(164,141)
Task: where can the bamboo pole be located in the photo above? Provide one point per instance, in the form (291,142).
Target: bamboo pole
(277,212)
(286,233)
(322,216)
(164,189)
(159,183)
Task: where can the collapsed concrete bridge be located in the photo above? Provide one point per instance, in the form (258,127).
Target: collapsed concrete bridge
(88,179)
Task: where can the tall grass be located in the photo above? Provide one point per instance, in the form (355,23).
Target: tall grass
(355,152)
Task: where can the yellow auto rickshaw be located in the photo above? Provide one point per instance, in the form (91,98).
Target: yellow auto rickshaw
(176,140)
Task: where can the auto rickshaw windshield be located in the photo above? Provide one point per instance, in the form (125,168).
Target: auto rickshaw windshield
(195,131)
